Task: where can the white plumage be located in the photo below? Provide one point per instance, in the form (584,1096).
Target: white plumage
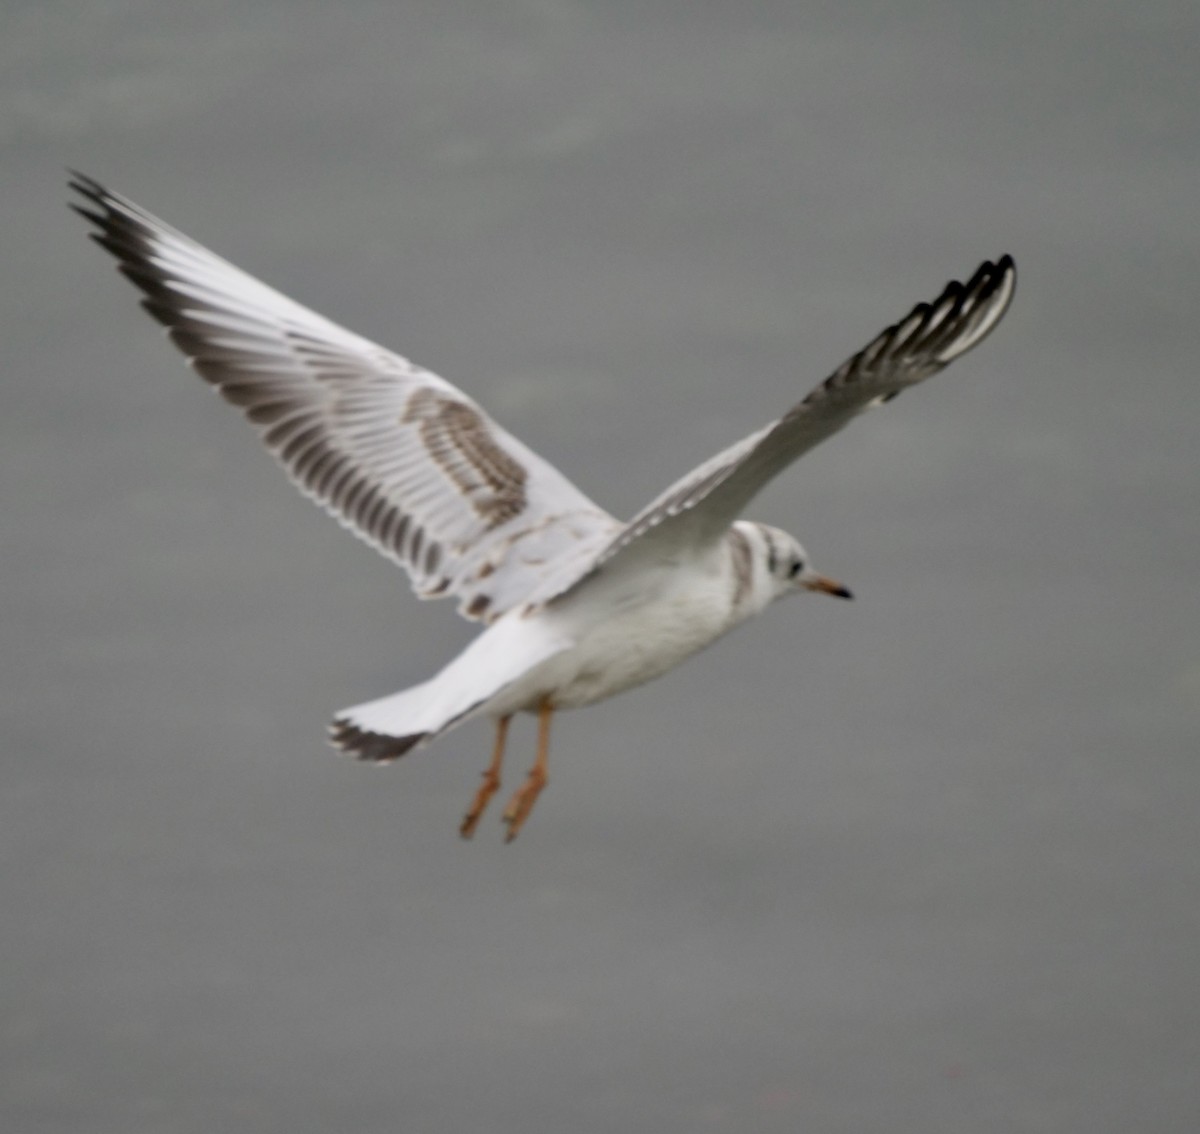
(577,605)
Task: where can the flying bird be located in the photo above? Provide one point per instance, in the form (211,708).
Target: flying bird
(577,606)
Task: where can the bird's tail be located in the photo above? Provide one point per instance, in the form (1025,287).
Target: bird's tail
(386,729)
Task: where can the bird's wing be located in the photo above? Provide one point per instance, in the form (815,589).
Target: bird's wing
(400,456)
(704,503)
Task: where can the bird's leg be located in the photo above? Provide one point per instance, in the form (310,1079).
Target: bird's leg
(491,781)
(522,802)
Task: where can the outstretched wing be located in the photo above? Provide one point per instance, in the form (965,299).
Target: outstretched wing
(704,503)
(400,456)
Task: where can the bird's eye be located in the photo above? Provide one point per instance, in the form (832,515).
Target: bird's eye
(796,568)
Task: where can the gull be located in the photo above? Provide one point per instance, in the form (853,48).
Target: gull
(577,606)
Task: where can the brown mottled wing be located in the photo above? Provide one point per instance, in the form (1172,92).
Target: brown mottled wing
(400,456)
(704,503)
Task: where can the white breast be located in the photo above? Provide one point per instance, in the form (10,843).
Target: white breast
(629,629)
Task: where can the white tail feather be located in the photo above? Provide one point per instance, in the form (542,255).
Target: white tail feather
(389,726)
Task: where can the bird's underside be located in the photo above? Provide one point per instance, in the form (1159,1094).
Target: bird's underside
(416,468)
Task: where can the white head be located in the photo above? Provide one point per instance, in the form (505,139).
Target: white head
(777,565)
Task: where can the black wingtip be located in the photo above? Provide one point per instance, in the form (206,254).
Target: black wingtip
(1007,267)
(1003,277)
(1004,268)
(989,275)
(86,213)
(86,186)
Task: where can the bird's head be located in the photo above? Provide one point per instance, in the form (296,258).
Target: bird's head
(785,564)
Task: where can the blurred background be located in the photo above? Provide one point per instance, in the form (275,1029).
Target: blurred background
(927,862)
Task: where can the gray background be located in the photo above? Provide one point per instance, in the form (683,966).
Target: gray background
(925,863)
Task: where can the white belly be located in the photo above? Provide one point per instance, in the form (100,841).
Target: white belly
(625,639)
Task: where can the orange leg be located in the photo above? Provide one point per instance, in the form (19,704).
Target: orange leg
(491,781)
(522,802)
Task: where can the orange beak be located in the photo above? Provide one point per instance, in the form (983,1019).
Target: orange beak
(828,587)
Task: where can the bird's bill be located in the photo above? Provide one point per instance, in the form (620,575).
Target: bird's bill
(827,586)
